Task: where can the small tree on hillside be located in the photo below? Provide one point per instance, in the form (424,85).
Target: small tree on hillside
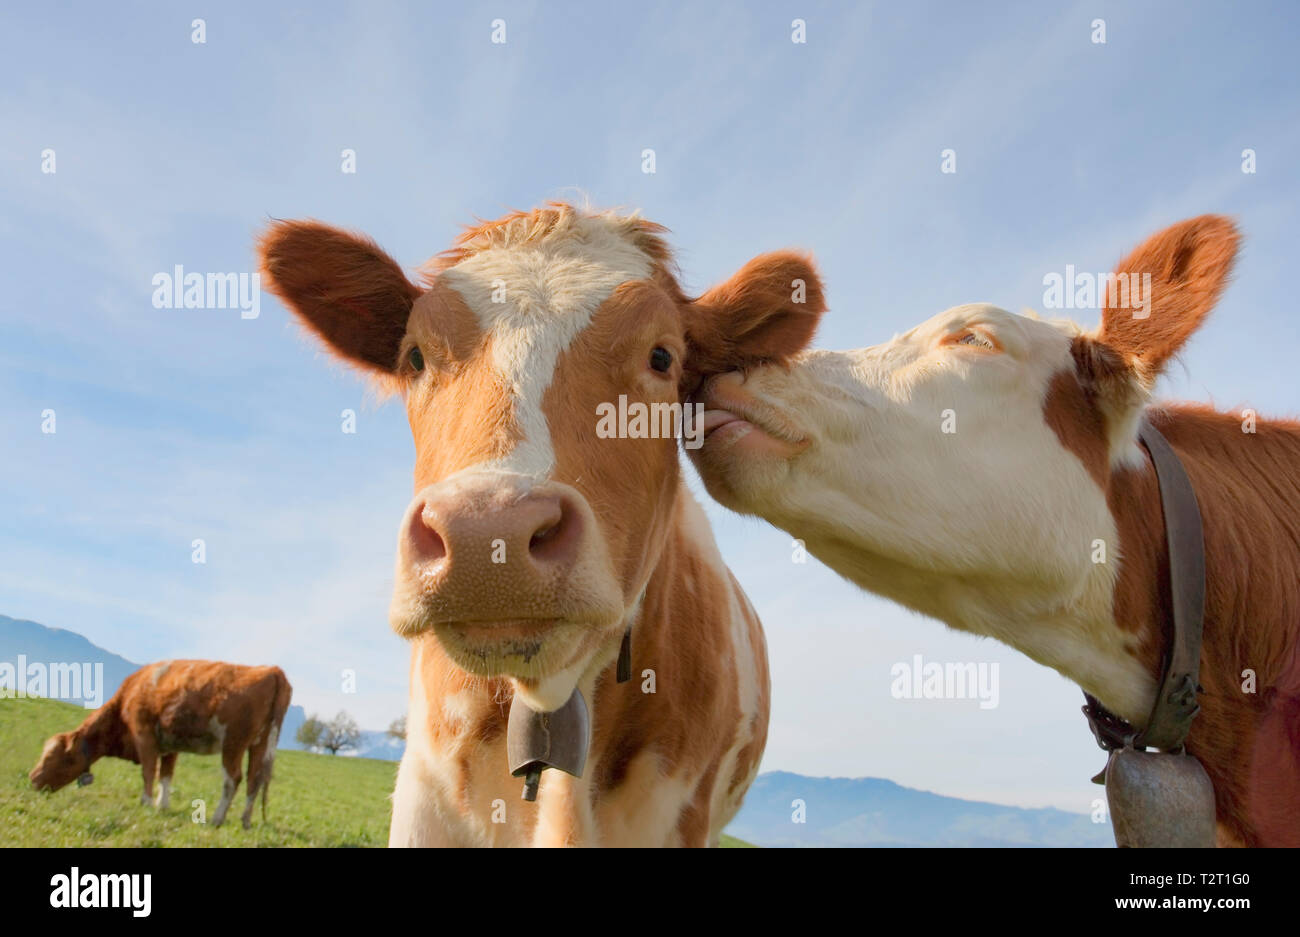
(398,728)
(310,732)
(339,733)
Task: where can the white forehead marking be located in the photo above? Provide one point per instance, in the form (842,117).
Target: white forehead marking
(552,288)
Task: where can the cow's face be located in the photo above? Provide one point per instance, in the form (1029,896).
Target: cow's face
(963,466)
(63,760)
(533,530)
(926,450)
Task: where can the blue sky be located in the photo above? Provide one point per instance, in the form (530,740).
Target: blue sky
(177,424)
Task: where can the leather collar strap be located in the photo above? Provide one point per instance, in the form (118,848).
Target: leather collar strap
(1175,707)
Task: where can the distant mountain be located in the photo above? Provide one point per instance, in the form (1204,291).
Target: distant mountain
(876,812)
(293,718)
(40,644)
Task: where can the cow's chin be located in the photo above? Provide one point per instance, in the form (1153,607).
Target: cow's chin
(738,479)
(520,648)
(543,658)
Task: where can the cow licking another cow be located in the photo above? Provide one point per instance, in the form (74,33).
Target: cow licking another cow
(992,523)
(173,707)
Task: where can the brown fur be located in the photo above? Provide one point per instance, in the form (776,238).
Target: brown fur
(359,298)
(472,420)
(1189,264)
(752,317)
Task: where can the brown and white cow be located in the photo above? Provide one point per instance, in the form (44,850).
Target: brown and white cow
(197,707)
(970,468)
(534,540)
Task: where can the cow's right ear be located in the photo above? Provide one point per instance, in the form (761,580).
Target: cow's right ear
(341,286)
(1158,296)
(1161,292)
(767,311)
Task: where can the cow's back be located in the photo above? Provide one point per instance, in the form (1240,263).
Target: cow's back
(194,705)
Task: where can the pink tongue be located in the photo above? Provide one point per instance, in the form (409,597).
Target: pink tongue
(715,418)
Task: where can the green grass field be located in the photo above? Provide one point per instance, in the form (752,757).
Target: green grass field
(315,800)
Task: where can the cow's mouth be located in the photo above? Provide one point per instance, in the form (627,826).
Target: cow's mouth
(735,420)
(528,649)
(510,637)
(47,786)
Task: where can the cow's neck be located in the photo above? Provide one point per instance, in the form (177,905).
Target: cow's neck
(1111,638)
(101,733)
(1248,489)
(1071,631)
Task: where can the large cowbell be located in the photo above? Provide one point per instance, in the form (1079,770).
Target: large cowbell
(1159,800)
(536,741)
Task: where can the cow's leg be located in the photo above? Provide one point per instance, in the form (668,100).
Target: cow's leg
(147,749)
(165,772)
(230,777)
(257,776)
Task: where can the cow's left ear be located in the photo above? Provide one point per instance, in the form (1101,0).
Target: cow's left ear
(767,311)
(1162,292)
(341,286)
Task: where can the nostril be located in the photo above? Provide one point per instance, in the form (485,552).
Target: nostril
(553,539)
(539,539)
(426,543)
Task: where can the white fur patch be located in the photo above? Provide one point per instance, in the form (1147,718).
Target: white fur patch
(227,795)
(549,291)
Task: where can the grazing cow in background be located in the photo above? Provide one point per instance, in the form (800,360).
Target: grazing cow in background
(194,706)
(970,468)
(535,540)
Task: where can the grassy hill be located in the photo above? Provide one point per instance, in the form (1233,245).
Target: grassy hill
(316,800)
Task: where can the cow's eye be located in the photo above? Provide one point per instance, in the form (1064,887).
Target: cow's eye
(416,359)
(974,338)
(661,359)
